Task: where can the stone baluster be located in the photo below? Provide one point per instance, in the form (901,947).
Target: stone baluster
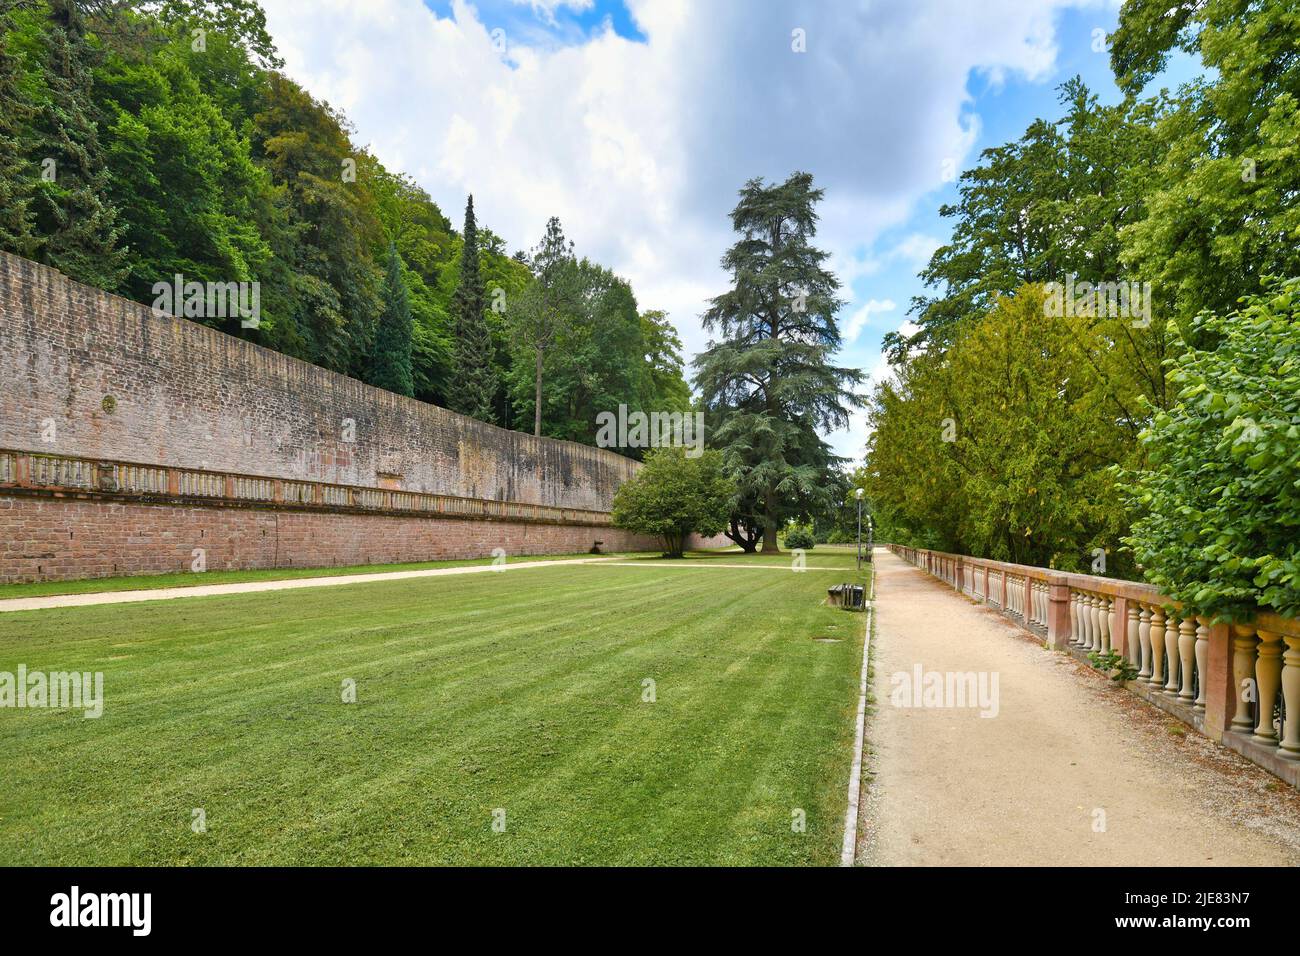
(1132,642)
(1202,652)
(1156,634)
(1104,623)
(1187,656)
(1243,671)
(1095,615)
(1171,656)
(1291,698)
(1268,680)
(1085,621)
(1132,645)
(1111,623)
(1144,640)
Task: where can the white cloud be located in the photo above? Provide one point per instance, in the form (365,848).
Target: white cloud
(862,315)
(639,147)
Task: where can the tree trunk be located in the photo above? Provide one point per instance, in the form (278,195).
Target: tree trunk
(741,536)
(537,398)
(770,545)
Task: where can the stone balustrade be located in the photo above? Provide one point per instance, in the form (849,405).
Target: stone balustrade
(1238,684)
(63,475)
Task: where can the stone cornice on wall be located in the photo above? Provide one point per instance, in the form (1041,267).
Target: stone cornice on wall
(42,474)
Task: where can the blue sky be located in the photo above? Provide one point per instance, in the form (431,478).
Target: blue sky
(635,121)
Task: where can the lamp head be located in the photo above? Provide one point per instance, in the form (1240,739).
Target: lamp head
(858,494)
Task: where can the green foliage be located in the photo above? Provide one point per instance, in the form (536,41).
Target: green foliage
(304,146)
(769,383)
(1221,209)
(1218,505)
(674,495)
(72,212)
(474,384)
(800,537)
(546,308)
(999,448)
(1047,206)
(1114,664)
(391,359)
(17,233)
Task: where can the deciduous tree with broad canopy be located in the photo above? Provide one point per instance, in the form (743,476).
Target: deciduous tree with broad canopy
(673,496)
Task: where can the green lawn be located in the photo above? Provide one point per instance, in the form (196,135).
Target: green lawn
(519,691)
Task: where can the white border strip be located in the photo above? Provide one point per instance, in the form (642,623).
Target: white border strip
(849,851)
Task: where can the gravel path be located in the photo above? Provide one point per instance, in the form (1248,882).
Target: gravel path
(249,587)
(1072,770)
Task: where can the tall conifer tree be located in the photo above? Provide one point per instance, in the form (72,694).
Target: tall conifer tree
(71,207)
(474,382)
(391,358)
(769,382)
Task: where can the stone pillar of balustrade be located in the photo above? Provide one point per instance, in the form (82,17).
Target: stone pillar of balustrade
(1059,626)
(1218,682)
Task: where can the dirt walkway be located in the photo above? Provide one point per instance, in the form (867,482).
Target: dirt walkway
(248,587)
(1072,770)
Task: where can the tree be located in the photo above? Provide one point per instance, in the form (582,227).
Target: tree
(391,359)
(1218,505)
(474,384)
(305,147)
(674,496)
(192,200)
(73,215)
(547,306)
(769,383)
(1221,211)
(17,234)
(1002,447)
(595,362)
(1044,208)
(663,387)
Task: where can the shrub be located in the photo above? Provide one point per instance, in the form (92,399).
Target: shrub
(800,538)
(674,495)
(1217,507)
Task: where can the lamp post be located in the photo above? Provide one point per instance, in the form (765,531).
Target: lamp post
(858,494)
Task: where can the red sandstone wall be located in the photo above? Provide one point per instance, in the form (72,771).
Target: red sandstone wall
(61,538)
(189,396)
(118,382)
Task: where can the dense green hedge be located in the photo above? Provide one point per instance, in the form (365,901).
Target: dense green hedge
(1218,506)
